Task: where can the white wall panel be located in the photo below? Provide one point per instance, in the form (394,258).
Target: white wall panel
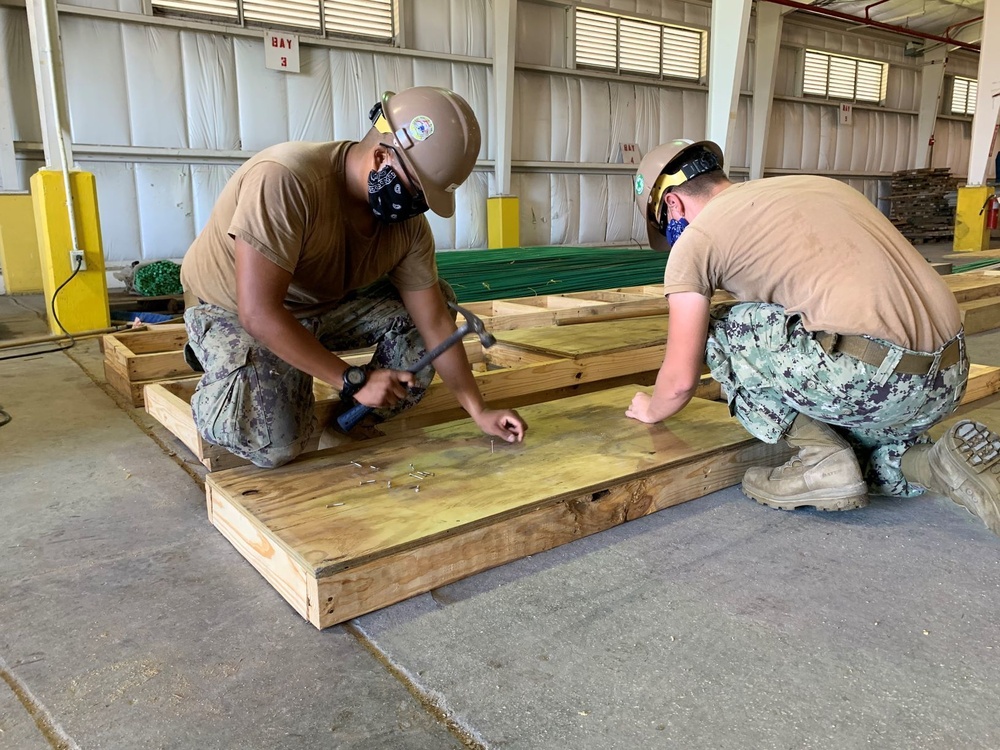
(262,97)
(593,209)
(166,209)
(126,6)
(541,35)
(310,96)
(15,47)
(457,27)
(206,184)
(155,86)
(357,85)
(117,201)
(952,141)
(594,123)
(210,94)
(94,61)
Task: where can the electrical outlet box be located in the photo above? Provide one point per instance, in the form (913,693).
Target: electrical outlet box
(77,260)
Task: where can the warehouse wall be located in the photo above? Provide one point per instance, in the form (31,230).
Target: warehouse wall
(163,114)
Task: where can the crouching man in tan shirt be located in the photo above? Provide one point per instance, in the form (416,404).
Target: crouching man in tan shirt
(321,247)
(844,341)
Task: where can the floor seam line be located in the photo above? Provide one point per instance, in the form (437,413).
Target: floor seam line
(54,734)
(432,701)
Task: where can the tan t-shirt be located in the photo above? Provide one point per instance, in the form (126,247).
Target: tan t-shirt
(289,202)
(820,249)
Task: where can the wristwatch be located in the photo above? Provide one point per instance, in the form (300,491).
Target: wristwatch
(354,380)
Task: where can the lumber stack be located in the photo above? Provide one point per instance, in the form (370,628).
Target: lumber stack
(918,205)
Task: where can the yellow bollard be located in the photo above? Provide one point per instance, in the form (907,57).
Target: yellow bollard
(503,222)
(82,304)
(971,232)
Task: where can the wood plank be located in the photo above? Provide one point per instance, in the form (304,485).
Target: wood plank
(972,285)
(984,380)
(584,468)
(980,315)
(590,338)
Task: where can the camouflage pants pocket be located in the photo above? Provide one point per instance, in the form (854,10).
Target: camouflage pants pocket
(249,401)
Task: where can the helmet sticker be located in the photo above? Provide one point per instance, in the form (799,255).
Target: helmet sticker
(421,128)
(639,184)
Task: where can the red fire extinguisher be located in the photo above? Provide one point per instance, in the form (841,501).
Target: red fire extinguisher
(992,209)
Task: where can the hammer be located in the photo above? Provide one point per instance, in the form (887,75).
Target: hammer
(472,324)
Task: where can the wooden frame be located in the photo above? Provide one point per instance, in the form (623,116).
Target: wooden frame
(336,545)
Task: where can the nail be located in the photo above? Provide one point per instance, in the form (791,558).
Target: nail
(355,463)
(334,505)
(366,481)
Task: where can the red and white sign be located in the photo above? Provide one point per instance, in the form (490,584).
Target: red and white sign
(631,153)
(281,51)
(846,114)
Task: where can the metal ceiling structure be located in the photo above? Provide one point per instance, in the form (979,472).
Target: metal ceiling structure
(957,22)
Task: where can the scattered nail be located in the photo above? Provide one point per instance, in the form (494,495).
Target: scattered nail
(355,463)
(334,505)
(366,481)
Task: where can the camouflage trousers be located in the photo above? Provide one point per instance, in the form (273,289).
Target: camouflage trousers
(259,407)
(771,369)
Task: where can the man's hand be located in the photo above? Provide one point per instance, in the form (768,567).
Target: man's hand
(384,388)
(504,423)
(640,408)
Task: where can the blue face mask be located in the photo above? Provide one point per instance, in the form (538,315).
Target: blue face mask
(389,200)
(674,229)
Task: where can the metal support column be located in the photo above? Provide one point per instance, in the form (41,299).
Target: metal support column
(984,122)
(767,44)
(503,221)
(730,24)
(931,85)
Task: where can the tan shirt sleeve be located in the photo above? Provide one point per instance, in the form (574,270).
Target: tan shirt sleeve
(271,213)
(417,269)
(688,267)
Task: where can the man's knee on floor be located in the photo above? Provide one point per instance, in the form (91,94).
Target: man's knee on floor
(272,457)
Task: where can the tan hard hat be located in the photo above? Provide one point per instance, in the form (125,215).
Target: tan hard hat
(437,136)
(662,169)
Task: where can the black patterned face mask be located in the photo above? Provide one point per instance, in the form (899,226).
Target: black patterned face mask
(390,201)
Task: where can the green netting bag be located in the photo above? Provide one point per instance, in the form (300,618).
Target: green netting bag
(159,278)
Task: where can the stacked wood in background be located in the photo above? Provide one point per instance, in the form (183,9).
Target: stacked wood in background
(919,207)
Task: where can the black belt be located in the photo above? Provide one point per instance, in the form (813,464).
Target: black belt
(873,353)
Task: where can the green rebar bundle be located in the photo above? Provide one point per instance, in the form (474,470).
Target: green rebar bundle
(478,275)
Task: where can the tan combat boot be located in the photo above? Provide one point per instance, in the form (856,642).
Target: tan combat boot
(963,465)
(824,474)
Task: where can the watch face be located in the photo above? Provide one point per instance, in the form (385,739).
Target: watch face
(355,376)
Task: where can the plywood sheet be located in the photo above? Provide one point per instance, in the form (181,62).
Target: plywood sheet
(591,338)
(973,285)
(338,540)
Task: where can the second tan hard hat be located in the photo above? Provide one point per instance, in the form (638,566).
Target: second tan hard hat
(661,169)
(437,136)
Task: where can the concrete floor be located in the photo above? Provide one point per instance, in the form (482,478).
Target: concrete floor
(129,622)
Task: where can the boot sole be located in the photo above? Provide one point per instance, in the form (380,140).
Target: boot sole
(967,466)
(818,500)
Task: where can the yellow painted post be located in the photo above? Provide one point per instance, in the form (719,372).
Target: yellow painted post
(503,228)
(971,233)
(19,261)
(82,304)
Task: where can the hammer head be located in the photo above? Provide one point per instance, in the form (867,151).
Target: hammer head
(475,325)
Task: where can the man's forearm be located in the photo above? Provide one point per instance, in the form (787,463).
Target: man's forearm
(280,332)
(669,397)
(453,367)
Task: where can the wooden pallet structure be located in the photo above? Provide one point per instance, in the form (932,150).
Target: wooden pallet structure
(135,359)
(524,367)
(350,530)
